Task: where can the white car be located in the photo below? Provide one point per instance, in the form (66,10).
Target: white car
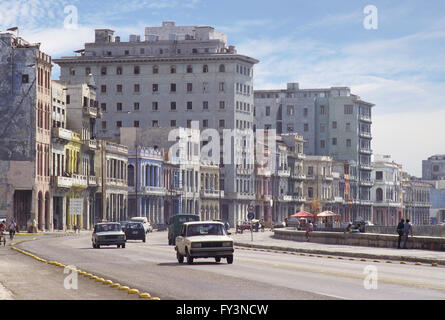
(204,239)
(148,227)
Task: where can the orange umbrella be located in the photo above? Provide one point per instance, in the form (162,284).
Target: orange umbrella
(302,214)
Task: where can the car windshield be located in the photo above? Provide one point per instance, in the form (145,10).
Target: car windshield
(108,227)
(135,226)
(205,229)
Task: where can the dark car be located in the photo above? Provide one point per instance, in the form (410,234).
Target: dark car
(161,227)
(135,231)
(124,224)
(108,234)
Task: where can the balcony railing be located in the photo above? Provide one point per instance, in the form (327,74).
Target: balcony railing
(364,117)
(92,181)
(298,176)
(283,173)
(211,194)
(63,182)
(90,112)
(365,151)
(154,190)
(61,133)
(80,180)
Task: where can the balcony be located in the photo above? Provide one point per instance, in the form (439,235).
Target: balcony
(366,183)
(338,200)
(62,182)
(241,171)
(80,181)
(92,144)
(298,198)
(298,176)
(90,112)
(365,151)
(157,191)
(263,172)
(92,181)
(61,133)
(214,194)
(366,166)
(328,177)
(239,196)
(283,173)
(366,135)
(285,198)
(365,118)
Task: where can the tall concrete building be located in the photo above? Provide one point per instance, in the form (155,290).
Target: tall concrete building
(175,75)
(434,168)
(333,122)
(25,133)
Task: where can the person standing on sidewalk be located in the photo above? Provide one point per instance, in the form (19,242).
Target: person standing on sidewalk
(407,229)
(310,228)
(12,229)
(400,231)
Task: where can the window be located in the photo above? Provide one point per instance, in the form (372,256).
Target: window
(136,124)
(348,143)
(137,70)
(119,106)
(205,68)
(435,168)
(103,89)
(349,109)
(173,106)
(222,105)
(310,192)
(137,88)
(205,105)
(267,111)
(155,69)
(172,123)
(119,70)
(103,71)
(173,69)
(104,125)
(222,68)
(189,69)
(72,71)
(322,127)
(25,78)
(142,51)
(172,87)
(290,128)
(290,110)
(189,105)
(222,86)
(322,110)
(334,141)
(310,171)
(305,112)
(155,87)
(322,144)
(205,123)
(222,124)
(68,99)
(155,123)
(119,88)
(334,124)
(136,106)
(348,127)
(205,87)
(87,71)
(379,175)
(306,127)
(189,123)
(154,106)
(127,52)
(119,124)
(189,87)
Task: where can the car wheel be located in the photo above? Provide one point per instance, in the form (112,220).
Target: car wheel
(118,245)
(230,260)
(145,239)
(97,246)
(218,259)
(189,258)
(123,246)
(94,246)
(180,257)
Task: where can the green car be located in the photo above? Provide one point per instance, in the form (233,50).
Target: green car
(175,223)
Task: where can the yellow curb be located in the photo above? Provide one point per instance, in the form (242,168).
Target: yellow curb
(319,256)
(378,261)
(362,259)
(402,262)
(302,254)
(155,298)
(95,277)
(388,261)
(330,257)
(145,295)
(418,264)
(133,291)
(100,280)
(435,265)
(340,258)
(124,288)
(351,259)
(108,282)
(115,285)
(311,255)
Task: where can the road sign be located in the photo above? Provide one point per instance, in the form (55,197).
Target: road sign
(251,209)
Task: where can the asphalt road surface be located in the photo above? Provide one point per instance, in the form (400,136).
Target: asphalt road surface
(254,275)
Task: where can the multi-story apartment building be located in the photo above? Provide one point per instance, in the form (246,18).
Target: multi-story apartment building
(177,75)
(210,193)
(332,121)
(386,191)
(434,168)
(146,184)
(416,201)
(25,134)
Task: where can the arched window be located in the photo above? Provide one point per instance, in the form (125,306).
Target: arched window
(222,68)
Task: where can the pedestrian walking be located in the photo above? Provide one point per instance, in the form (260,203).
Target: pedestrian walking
(407,230)
(12,229)
(400,231)
(309,229)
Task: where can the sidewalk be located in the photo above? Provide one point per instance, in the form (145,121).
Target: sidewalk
(265,240)
(24,278)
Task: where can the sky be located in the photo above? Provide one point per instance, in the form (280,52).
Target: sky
(399,64)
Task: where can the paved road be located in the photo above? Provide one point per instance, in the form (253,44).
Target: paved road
(254,275)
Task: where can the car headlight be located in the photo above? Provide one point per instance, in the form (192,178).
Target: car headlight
(228,244)
(196,245)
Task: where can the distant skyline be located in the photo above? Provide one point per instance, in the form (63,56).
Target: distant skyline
(400,67)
